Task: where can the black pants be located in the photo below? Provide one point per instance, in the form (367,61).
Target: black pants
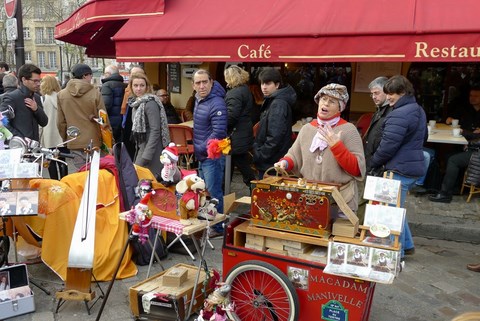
(244,164)
(455,164)
(57,170)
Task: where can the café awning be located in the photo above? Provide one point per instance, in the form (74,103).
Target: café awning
(304,30)
(93,24)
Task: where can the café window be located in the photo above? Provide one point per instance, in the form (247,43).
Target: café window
(442,87)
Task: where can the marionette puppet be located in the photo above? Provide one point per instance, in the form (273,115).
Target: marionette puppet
(170,173)
(140,218)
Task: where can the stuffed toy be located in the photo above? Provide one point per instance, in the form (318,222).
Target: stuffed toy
(217,304)
(140,218)
(170,173)
(193,189)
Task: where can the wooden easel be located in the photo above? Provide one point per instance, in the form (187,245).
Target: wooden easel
(363,229)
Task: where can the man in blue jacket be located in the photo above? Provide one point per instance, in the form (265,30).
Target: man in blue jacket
(210,122)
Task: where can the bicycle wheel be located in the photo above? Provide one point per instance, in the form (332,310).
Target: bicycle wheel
(261,292)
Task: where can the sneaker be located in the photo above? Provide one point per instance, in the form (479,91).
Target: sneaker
(214,234)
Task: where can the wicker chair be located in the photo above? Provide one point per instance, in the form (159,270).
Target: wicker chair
(472,176)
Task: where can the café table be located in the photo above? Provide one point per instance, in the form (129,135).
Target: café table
(446,137)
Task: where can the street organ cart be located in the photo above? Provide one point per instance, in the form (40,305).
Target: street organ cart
(277,260)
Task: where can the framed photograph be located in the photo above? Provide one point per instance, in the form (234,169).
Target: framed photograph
(391,217)
(27,203)
(8,203)
(298,277)
(383,190)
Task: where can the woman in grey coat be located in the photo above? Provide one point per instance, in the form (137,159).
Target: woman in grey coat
(150,127)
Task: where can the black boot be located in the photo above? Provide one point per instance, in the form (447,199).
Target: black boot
(441,197)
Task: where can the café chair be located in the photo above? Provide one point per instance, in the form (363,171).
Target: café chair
(182,136)
(363,123)
(471,179)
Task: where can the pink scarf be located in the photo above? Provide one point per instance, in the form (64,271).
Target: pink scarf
(318,141)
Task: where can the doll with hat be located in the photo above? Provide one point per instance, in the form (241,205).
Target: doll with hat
(140,218)
(170,173)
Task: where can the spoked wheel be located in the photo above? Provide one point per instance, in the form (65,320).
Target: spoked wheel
(261,292)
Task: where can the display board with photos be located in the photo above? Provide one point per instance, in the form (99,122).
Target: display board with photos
(19,203)
(11,166)
(362,262)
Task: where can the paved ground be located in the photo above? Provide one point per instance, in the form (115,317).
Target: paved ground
(433,286)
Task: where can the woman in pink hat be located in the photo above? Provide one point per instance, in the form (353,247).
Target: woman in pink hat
(329,149)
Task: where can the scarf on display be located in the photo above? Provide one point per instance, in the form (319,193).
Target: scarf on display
(139,123)
(318,142)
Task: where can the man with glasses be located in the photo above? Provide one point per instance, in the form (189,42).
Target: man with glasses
(373,136)
(172,116)
(26,104)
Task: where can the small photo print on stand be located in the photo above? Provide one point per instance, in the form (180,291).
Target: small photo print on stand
(8,203)
(27,203)
(384,261)
(26,170)
(382,190)
(337,253)
(358,255)
(298,277)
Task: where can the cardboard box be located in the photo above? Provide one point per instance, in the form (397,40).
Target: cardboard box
(289,249)
(175,276)
(178,298)
(274,243)
(275,251)
(257,240)
(295,244)
(255,247)
(19,299)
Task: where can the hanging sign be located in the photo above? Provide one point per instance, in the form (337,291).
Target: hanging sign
(10,7)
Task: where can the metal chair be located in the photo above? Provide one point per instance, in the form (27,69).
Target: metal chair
(182,136)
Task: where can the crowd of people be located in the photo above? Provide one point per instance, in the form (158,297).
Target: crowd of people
(328,149)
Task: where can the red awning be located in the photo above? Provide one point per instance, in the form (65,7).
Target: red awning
(93,24)
(304,30)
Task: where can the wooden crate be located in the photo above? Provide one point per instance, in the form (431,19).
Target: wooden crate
(178,298)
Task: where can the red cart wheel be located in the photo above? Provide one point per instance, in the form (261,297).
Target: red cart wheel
(260,291)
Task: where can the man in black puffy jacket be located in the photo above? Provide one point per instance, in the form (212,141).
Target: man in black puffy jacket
(274,135)
(113,89)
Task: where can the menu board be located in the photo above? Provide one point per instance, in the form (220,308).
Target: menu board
(174,80)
